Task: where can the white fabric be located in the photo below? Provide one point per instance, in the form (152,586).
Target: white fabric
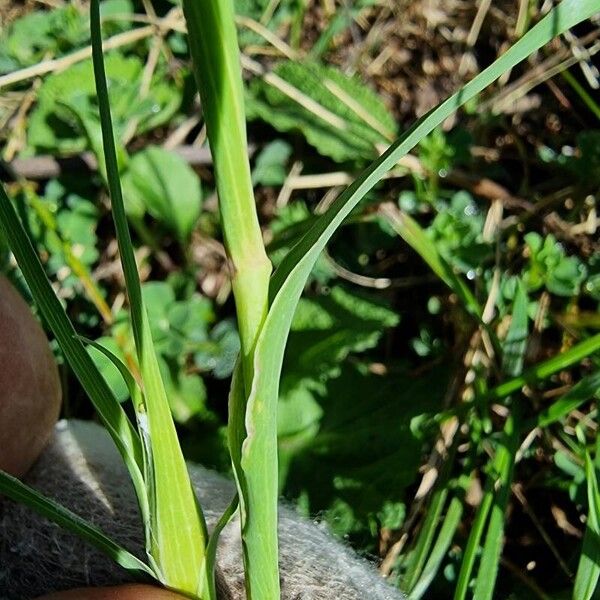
(82,470)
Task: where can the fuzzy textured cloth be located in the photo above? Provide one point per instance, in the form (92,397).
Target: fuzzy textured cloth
(82,470)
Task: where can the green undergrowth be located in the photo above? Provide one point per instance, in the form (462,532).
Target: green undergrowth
(439,311)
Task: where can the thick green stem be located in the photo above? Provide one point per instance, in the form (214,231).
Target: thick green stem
(214,49)
(215,53)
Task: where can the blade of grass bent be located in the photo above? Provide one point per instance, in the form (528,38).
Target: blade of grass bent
(566,15)
(108,408)
(259,449)
(178,537)
(22,493)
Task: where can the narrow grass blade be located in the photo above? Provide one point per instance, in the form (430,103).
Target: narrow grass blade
(472,547)
(130,382)
(19,492)
(515,344)
(494,541)
(426,535)
(178,541)
(213,543)
(586,389)
(440,548)
(547,368)
(109,410)
(137,399)
(566,15)
(513,355)
(414,235)
(588,571)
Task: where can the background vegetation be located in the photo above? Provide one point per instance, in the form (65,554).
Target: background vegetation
(438,406)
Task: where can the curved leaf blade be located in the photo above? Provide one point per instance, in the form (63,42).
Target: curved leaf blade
(258,459)
(566,15)
(22,493)
(112,415)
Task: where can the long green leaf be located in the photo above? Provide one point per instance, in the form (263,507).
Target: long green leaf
(19,492)
(581,392)
(545,369)
(259,450)
(494,541)
(513,355)
(566,15)
(440,548)
(426,535)
(588,570)
(178,539)
(109,410)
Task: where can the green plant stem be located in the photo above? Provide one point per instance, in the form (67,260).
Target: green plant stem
(214,49)
(212,39)
(587,99)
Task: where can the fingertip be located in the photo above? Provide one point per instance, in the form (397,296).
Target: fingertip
(124,592)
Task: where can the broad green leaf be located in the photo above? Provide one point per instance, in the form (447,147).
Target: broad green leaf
(165,184)
(588,570)
(325,427)
(52,125)
(327,328)
(353,119)
(178,532)
(37,34)
(19,492)
(270,167)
